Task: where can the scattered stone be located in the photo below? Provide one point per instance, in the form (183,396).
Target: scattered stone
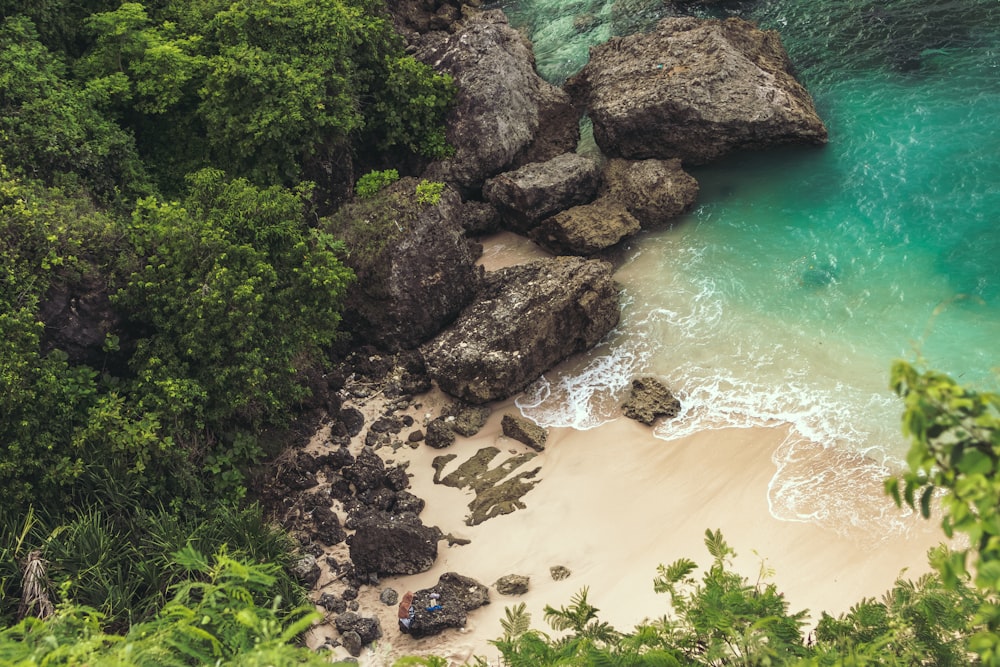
(332,603)
(306,570)
(512,584)
(468,419)
(525,431)
(351,641)
(350,593)
(389,597)
(353,420)
(440,434)
(415,436)
(559,572)
(650,399)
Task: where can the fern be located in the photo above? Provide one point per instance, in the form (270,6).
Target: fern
(517,621)
(717,546)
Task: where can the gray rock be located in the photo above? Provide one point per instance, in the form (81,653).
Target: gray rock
(368,629)
(505,114)
(389,597)
(540,189)
(525,320)
(440,434)
(351,641)
(695,89)
(654,191)
(468,419)
(524,430)
(415,267)
(306,570)
(587,229)
(559,572)
(650,399)
(512,584)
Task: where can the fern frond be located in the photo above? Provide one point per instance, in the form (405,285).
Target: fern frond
(717,546)
(517,621)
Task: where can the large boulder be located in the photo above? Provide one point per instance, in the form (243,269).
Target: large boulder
(525,320)
(446,605)
(505,114)
(587,229)
(694,89)
(416,269)
(654,191)
(388,544)
(537,190)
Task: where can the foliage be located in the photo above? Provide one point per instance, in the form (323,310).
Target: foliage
(724,619)
(369,184)
(954,436)
(429,192)
(916,622)
(213,617)
(260,89)
(239,296)
(55,130)
(118,562)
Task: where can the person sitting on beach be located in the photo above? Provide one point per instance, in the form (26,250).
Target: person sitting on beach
(406,612)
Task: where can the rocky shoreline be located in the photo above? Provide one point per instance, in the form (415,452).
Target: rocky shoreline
(432,319)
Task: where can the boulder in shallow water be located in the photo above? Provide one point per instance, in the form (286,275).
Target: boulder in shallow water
(586,230)
(654,191)
(694,89)
(649,400)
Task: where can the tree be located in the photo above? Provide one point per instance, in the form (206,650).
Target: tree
(954,434)
(239,297)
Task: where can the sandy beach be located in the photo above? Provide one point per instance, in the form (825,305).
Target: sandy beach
(614,502)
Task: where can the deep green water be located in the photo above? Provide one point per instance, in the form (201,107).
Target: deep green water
(803,273)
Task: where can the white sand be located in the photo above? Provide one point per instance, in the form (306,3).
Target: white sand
(613,503)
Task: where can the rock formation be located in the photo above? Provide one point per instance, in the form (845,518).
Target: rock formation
(650,399)
(416,270)
(446,605)
(526,319)
(694,89)
(654,191)
(505,114)
(586,230)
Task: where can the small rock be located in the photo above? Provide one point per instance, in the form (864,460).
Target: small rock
(559,572)
(524,430)
(650,399)
(415,436)
(512,584)
(440,434)
(389,597)
(351,641)
(307,570)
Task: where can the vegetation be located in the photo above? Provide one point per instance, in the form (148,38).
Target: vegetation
(166,163)
(154,171)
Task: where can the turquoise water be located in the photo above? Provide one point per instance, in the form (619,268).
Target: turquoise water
(785,296)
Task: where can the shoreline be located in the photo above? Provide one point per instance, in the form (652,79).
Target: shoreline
(611,505)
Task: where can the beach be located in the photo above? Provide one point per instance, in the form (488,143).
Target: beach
(611,505)
(614,502)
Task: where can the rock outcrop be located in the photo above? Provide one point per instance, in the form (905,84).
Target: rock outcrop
(505,114)
(387,544)
(694,89)
(446,605)
(535,191)
(524,431)
(526,319)
(416,269)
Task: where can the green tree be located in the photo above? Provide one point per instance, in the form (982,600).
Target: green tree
(954,434)
(55,130)
(239,297)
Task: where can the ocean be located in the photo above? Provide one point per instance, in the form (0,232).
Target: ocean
(802,273)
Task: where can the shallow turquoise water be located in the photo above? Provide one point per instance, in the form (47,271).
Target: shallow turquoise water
(803,273)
